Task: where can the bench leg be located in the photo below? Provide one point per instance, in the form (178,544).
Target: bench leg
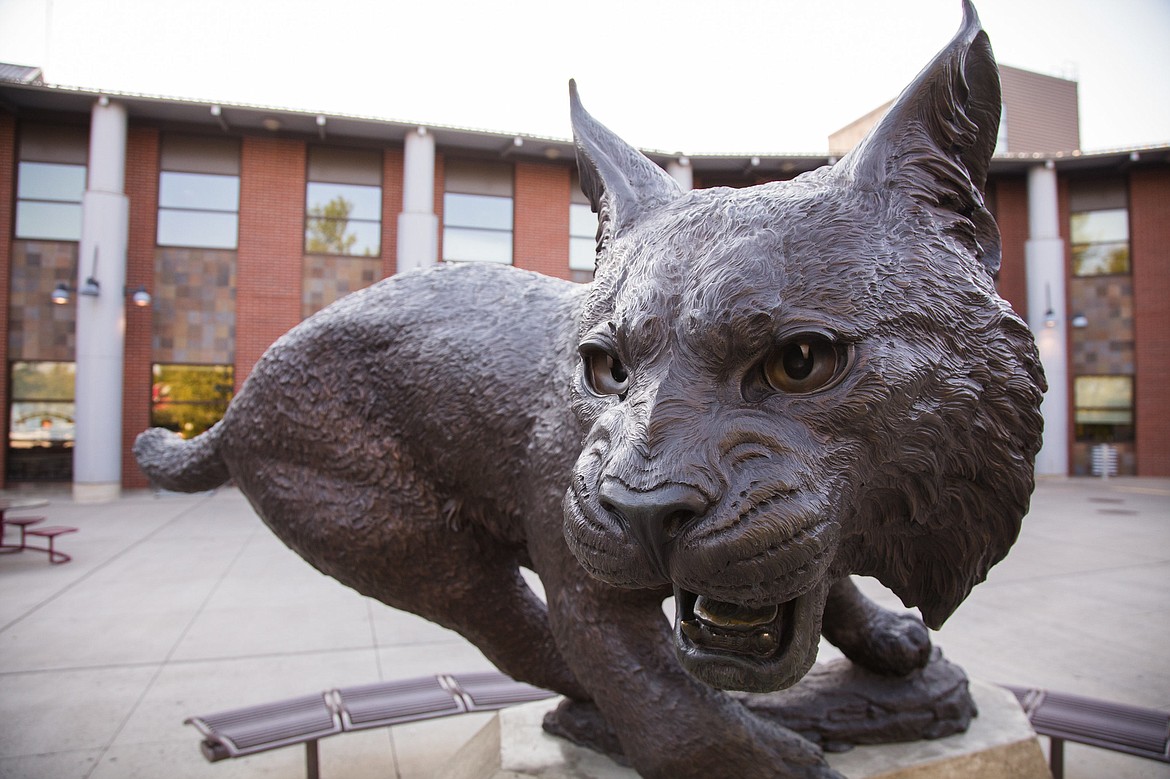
(312,764)
(1056,757)
(55,558)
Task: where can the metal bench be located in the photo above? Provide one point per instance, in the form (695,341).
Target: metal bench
(1062,717)
(307,719)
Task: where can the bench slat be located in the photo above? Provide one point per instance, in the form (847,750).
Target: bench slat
(392,703)
(259,728)
(492,690)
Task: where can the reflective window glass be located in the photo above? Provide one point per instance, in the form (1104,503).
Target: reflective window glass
(48,221)
(1103,408)
(1100,242)
(343,219)
(41,422)
(469,245)
(484,211)
(198,209)
(359,202)
(49,201)
(199,191)
(204,229)
(51,181)
(582,237)
(189,399)
(477,228)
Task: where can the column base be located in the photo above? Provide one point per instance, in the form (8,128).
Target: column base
(96,492)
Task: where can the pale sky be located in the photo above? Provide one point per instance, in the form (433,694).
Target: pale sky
(722,76)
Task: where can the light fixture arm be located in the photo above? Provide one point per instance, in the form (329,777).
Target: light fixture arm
(62,293)
(1050,313)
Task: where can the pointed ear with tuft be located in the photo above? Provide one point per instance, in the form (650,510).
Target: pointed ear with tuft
(936,142)
(622,184)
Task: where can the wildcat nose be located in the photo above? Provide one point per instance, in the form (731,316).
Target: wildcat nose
(653,517)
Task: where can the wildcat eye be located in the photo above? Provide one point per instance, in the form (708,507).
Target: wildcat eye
(604,373)
(804,364)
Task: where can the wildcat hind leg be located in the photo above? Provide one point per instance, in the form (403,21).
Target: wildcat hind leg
(875,638)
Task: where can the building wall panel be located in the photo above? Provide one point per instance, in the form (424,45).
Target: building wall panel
(392,172)
(1011,214)
(541,233)
(1149,213)
(271,246)
(142,156)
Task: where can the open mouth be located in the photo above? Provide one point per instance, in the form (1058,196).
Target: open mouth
(719,626)
(752,648)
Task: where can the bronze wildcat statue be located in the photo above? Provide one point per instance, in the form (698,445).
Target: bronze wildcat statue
(764,391)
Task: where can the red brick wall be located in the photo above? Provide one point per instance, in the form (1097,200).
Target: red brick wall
(7,199)
(1063,225)
(1011,212)
(440,187)
(1149,214)
(142,162)
(541,237)
(269,261)
(391,207)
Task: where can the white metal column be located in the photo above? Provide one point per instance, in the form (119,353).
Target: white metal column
(418,226)
(1044,258)
(681,171)
(101,319)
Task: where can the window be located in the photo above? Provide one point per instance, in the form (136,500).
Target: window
(50,182)
(189,399)
(1100,242)
(199,192)
(477,212)
(582,237)
(343,202)
(1103,408)
(40,422)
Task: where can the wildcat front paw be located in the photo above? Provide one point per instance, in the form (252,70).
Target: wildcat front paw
(898,644)
(885,642)
(744,745)
(582,723)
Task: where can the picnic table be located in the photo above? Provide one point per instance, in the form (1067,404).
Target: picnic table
(26,525)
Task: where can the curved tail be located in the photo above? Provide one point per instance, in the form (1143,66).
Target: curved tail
(173,463)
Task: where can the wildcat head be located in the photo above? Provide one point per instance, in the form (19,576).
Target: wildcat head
(788,383)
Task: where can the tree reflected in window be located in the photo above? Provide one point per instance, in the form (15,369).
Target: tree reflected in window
(343,219)
(189,399)
(1100,242)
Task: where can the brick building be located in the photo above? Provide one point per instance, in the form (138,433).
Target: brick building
(232,223)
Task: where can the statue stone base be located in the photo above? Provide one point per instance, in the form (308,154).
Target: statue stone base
(999,743)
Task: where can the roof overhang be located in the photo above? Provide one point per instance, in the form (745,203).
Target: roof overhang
(44,100)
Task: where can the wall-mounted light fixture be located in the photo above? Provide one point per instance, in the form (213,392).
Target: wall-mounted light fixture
(1079,321)
(1050,314)
(92,288)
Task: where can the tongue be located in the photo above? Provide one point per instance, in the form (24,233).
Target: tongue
(733,617)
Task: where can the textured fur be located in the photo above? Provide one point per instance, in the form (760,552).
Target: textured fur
(422,439)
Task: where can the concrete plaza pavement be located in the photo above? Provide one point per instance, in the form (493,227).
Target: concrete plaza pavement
(177,605)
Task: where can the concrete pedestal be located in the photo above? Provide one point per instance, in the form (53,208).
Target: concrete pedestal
(999,743)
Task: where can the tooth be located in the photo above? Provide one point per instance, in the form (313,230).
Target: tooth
(764,643)
(729,615)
